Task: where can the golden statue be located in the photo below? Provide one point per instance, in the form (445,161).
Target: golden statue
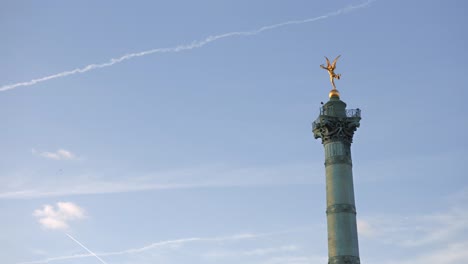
(331,71)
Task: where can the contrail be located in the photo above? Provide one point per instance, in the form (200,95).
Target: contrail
(150,246)
(90,252)
(183,47)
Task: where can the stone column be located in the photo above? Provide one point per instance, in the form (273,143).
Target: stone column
(335,126)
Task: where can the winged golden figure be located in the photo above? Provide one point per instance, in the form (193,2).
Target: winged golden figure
(331,70)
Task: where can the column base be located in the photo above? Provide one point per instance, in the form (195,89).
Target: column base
(344,260)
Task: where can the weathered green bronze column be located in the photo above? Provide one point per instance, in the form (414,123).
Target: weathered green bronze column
(335,126)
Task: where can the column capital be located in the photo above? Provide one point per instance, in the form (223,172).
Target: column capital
(332,128)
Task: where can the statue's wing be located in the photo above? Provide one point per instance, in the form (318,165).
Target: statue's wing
(328,61)
(334,62)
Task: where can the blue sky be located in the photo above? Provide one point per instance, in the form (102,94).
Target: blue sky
(205,154)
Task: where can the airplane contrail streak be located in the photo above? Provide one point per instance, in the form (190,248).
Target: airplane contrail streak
(151,246)
(90,252)
(183,47)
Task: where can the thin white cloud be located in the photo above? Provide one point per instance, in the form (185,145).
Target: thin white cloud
(268,251)
(258,252)
(195,177)
(60,154)
(183,47)
(152,246)
(452,253)
(296,260)
(430,238)
(59,216)
(439,227)
(416,231)
(366,229)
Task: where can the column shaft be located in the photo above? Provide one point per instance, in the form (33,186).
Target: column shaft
(341,210)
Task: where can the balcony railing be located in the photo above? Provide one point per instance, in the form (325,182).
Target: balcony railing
(349,112)
(353,112)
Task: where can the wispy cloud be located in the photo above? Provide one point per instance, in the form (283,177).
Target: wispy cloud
(431,238)
(59,216)
(452,253)
(366,229)
(152,246)
(417,230)
(183,47)
(295,260)
(259,252)
(60,154)
(208,176)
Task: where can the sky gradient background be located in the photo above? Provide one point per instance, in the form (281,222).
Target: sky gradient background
(206,155)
